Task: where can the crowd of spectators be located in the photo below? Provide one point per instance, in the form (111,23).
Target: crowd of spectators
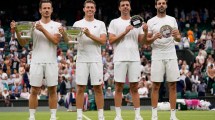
(197,77)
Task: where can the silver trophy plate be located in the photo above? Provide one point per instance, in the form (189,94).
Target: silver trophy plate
(25,29)
(136,21)
(73,33)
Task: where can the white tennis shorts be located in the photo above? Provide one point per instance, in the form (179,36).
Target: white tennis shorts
(160,67)
(40,70)
(94,69)
(130,69)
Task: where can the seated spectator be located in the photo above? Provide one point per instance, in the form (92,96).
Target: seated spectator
(91,101)
(128,99)
(195,81)
(10,82)
(200,58)
(183,70)
(211,76)
(210,60)
(5,93)
(44,92)
(4,80)
(143,90)
(2,37)
(25,94)
(17,79)
(16,90)
(185,43)
(208,44)
(201,88)
(109,93)
(6,97)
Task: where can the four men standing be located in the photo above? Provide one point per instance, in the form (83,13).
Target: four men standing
(160,31)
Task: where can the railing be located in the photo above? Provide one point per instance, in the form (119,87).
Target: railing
(108,102)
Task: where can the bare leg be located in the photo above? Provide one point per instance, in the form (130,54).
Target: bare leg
(135,98)
(33,101)
(172,98)
(118,98)
(135,94)
(53,101)
(80,99)
(99,100)
(154,99)
(172,94)
(118,94)
(155,93)
(99,96)
(52,97)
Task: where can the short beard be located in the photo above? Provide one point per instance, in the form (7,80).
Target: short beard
(161,11)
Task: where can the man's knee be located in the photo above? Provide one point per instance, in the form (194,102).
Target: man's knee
(35,91)
(119,87)
(156,86)
(134,87)
(81,88)
(52,90)
(172,85)
(98,89)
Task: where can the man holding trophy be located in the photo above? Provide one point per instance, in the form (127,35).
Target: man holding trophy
(162,33)
(45,35)
(124,33)
(89,59)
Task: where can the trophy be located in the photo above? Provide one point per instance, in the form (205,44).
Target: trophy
(25,28)
(73,33)
(136,21)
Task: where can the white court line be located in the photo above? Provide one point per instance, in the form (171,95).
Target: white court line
(86,117)
(57,118)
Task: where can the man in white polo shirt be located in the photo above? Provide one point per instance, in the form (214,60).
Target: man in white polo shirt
(89,59)
(44,57)
(162,34)
(124,38)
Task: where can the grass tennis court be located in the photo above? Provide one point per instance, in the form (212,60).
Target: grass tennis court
(109,115)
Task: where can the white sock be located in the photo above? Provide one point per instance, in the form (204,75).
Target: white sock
(100,112)
(32,112)
(53,113)
(154,111)
(118,111)
(173,113)
(137,111)
(79,113)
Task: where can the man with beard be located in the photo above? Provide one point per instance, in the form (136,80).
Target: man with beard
(162,32)
(125,38)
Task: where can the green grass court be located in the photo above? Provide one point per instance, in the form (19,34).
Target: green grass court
(109,115)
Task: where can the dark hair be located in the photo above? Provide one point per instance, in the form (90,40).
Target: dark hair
(211,66)
(157,1)
(123,1)
(90,1)
(44,1)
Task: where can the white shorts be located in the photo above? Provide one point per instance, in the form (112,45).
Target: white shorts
(40,70)
(94,69)
(131,69)
(160,67)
